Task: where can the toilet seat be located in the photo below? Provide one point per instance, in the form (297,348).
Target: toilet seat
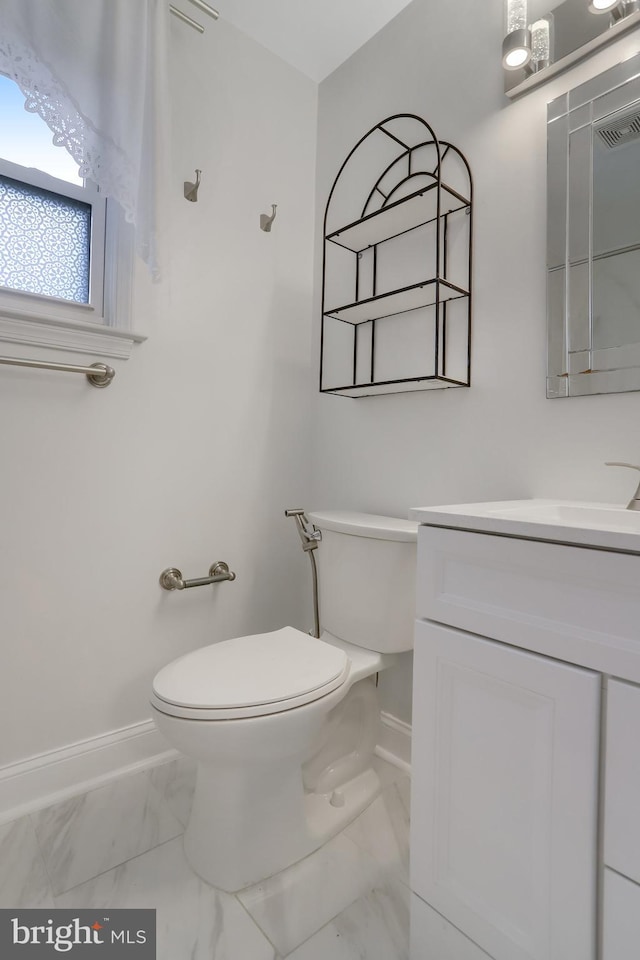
(250,676)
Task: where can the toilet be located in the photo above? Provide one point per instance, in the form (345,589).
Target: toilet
(282,725)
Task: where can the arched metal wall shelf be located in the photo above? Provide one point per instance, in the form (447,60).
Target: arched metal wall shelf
(397,265)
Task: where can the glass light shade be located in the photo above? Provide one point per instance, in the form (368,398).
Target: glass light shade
(540,41)
(517,58)
(516,15)
(516,49)
(602,6)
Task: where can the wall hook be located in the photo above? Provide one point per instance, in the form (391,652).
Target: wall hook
(191,189)
(266,220)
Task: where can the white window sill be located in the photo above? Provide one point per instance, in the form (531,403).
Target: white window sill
(54,333)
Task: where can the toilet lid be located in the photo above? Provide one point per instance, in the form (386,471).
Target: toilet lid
(255,675)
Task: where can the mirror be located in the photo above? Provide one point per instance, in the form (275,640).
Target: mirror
(593,236)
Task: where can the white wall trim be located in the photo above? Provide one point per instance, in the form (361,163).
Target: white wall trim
(32,330)
(39,781)
(395,742)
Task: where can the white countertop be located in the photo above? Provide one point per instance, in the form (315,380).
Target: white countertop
(603,525)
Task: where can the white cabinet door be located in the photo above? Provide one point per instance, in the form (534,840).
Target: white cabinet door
(504,804)
(621,918)
(622,781)
(434,938)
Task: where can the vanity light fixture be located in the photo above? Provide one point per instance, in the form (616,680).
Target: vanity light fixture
(625,9)
(534,52)
(619,9)
(516,46)
(540,44)
(603,6)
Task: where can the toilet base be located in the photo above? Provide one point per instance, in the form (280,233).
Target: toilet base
(328,814)
(288,841)
(250,821)
(246,824)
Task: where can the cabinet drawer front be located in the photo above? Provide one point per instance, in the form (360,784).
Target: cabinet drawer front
(504,795)
(621,918)
(622,780)
(570,603)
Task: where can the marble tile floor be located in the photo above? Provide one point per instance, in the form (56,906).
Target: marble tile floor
(121,846)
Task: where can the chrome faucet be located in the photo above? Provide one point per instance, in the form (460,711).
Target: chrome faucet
(634,503)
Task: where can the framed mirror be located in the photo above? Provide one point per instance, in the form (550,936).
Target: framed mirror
(593,236)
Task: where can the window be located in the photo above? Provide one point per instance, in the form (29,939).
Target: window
(65,252)
(48,239)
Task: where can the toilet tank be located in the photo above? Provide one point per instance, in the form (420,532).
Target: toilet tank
(366,574)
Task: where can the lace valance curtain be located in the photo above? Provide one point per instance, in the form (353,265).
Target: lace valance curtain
(94,70)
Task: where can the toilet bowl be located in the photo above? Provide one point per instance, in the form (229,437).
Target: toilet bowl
(283,725)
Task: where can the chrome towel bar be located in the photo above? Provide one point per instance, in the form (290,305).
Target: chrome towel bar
(201,5)
(172,579)
(186,18)
(98,374)
(206,8)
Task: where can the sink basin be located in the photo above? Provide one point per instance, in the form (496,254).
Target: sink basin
(604,525)
(599,516)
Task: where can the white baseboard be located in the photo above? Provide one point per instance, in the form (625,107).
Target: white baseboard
(38,782)
(395,742)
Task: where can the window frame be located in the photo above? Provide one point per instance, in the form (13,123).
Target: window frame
(104,324)
(87,194)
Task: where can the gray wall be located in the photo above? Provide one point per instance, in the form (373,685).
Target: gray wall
(502,438)
(193,453)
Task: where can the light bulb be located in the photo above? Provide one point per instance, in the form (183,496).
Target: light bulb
(602,6)
(516,58)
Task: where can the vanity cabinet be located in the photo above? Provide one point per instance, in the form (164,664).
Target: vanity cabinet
(621,918)
(526,771)
(505,776)
(622,781)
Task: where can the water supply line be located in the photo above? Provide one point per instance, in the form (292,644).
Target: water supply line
(310,537)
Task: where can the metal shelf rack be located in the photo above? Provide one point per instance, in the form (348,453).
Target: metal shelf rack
(400,266)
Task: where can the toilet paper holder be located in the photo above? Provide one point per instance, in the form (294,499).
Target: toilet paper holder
(172,579)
